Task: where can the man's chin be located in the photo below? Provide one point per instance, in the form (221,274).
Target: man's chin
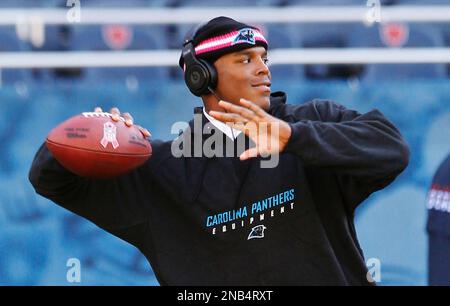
(263,102)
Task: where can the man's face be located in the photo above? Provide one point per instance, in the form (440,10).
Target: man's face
(244,74)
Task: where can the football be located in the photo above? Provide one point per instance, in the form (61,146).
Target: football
(93,145)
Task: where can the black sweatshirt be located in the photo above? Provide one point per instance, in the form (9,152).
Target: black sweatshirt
(222,221)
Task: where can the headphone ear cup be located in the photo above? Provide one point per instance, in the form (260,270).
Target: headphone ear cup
(212,74)
(197,78)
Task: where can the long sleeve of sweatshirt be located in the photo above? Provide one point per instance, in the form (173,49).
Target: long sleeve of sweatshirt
(365,151)
(115,205)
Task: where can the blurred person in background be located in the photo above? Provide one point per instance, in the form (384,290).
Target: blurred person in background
(438,226)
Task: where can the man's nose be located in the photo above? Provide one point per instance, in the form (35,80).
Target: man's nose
(262,68)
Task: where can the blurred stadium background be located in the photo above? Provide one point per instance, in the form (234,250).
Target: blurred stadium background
(125,54)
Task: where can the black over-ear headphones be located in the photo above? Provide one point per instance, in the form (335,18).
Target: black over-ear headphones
(199,75)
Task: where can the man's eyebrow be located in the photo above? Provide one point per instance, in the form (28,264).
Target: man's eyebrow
(244,52)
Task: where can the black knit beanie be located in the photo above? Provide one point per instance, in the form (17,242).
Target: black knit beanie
(223,35)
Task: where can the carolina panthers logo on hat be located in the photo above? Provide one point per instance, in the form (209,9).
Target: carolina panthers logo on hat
(246,35)
(257,232)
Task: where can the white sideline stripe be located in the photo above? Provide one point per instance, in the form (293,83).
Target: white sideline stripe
(291,14)
(89,59)
(360,56)
(170,57)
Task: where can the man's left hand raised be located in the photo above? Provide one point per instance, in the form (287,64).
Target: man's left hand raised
(269,133)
